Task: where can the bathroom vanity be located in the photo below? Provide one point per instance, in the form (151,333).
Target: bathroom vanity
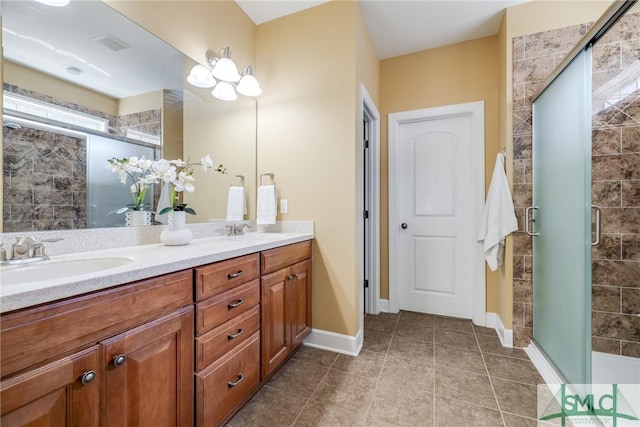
(187,346)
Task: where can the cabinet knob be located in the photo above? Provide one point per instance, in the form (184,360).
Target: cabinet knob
(236,335)
(88,377)
(235,304)
(232,384)
(292,277)
(119,360)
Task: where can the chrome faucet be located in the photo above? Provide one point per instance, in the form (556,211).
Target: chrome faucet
(25,250)
(236,229)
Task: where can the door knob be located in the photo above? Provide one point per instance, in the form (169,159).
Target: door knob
(404,226)
(88,377)
(119,360)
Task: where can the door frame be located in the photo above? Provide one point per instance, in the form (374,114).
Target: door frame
(369,112)
(476,111)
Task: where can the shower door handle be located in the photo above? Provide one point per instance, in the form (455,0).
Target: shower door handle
(528,219)
(597,240)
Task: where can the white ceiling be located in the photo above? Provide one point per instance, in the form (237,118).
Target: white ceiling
(399,27)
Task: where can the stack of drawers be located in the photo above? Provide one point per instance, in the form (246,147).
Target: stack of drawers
(227,336)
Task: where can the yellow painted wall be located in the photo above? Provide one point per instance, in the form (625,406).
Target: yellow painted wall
(143,102)
(306,136)
(523,19)
(454,74)
(48,85)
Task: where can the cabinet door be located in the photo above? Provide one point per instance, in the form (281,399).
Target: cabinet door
(274,325)
(298,293)
(55,394)
(149,374)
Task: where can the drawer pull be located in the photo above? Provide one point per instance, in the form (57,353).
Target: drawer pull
(88,377)
(235,304)
(293,276)
(236,335)
(232,384)
(234,275)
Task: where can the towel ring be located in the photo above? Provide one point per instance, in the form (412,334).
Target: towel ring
(270,175)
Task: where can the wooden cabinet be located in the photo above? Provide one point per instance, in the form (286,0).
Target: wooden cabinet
(286,303)
(120,357)
(65,392)
(228,337)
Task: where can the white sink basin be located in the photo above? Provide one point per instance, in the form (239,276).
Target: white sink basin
(58,269)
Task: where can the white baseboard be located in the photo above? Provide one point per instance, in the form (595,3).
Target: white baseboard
(383,305)
(505,335)
(338,343)
(546,370)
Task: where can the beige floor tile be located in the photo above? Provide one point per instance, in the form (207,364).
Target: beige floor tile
(376,341)
(512,369)
(298,377)
(411,349)
(346,391)
(269,407)
(516,398)
(456,339)
(480,330)
(367,363)
(511,420)
(316,355)
(492,345)
(404,390)
(325,414)
(459,358)
(384,324)
(456,413)
(465,386)
(383,413)
(421,318)
(414,330)
(462,325)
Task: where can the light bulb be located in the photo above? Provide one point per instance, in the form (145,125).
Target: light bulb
(224,91)
(249,86)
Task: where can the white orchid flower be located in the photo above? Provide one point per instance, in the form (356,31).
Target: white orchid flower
(206,163)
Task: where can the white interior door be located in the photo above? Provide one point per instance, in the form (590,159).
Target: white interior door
(436,214)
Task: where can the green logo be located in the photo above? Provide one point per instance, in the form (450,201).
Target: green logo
(596,408)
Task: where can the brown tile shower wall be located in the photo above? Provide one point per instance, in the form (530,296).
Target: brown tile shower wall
(616,190)
(616,183)
(44,180)
(534,58)
(45,173)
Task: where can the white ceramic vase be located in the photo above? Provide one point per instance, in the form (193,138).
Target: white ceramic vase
(176,233)
(137,218)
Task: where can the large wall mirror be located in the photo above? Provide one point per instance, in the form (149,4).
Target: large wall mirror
(82,84)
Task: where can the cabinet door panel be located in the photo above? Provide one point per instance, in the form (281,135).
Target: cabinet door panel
(153,384)
(299,302)
(274,326)
(54,395)
(277,258)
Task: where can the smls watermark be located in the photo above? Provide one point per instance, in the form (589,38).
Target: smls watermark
(607,405)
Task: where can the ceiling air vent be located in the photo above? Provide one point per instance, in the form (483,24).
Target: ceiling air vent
(112,42)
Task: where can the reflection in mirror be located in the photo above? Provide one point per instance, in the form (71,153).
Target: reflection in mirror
(82,84)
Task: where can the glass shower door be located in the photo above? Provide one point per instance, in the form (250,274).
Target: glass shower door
(562,221)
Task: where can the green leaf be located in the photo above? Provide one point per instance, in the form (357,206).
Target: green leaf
(189,211)
(166,210)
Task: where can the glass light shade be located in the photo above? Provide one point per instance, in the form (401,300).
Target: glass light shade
(224,91)
(225,69)
(249,86)
(200,76)
(56,3)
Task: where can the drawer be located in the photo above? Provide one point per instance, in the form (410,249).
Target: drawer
(59,327)
(222,386)
(216,278)
(214,344)
(222,308)
(275,259)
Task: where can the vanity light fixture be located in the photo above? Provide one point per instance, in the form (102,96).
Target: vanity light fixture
(224,78)
(57,3)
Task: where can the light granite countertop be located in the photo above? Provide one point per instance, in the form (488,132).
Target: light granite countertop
(148,261)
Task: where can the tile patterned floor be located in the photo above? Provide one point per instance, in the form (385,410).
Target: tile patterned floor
(414,370)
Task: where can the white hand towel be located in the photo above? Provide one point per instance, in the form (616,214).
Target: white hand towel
(163,202)
(266,209)
(499,216)
(236,204)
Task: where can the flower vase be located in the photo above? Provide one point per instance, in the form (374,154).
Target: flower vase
(176,233)
(137,218)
